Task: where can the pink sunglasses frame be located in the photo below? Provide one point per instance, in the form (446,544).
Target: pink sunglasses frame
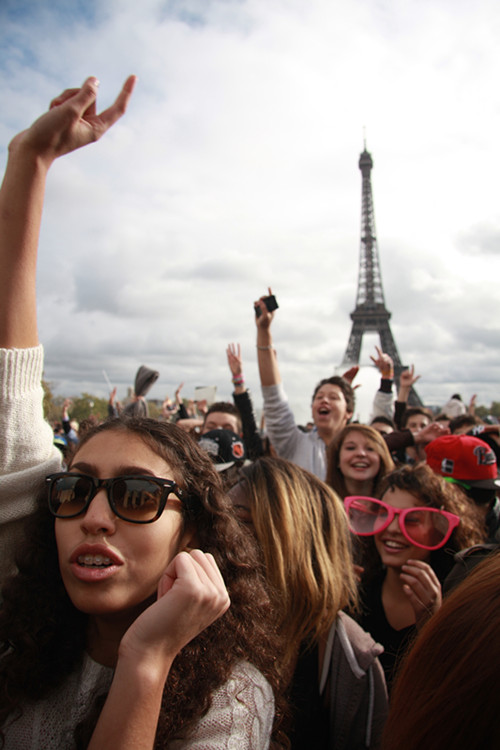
(453,520)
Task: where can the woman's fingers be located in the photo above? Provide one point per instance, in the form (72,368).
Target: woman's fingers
(208,566)
(191,596)
(72,122)
(193,583)
(422,587)
(66,94)
(198,573)
(109,116)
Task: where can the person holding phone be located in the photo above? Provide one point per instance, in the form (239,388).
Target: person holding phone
(332,404)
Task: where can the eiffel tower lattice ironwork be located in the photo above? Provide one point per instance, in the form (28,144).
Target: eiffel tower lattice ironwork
(371,313)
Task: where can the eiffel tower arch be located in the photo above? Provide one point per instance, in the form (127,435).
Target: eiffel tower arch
(370,313)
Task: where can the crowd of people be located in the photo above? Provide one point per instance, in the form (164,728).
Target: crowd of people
(200,581)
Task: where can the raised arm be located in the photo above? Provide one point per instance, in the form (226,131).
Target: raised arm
(70,123)
(407,379)
(235,363)
(383,401)
(266,355)
(243,402)
(27,451)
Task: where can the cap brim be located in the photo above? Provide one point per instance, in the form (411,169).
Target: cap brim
(485,484)
(223,467)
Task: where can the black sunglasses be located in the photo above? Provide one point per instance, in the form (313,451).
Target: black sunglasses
(138,499)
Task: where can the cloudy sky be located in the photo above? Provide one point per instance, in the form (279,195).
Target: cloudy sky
(236,168)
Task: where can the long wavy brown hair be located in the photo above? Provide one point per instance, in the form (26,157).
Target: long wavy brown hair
(37,653)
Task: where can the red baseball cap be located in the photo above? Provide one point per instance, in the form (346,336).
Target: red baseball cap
(465,459)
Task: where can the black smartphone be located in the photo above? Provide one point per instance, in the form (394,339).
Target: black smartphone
(271,304)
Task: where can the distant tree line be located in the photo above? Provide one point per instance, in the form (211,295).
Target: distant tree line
(86,404)
(484,411)
(82,406)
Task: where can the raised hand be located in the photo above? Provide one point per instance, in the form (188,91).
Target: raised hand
(234,360)
(72,121)
(266,354)
(265,318)
(471,409)
(383,362)
(202,407)
(423,589)
(178,393)
(408,378)
(431,432)
(350,374)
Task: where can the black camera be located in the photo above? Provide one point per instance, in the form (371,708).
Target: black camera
(270,303)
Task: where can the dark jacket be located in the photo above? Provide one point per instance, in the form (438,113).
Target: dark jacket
(344,707)
(356,688)
(251,434)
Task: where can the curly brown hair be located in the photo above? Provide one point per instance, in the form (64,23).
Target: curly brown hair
(433,491)
(38,654)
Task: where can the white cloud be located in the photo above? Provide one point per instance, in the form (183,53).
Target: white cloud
(235,168)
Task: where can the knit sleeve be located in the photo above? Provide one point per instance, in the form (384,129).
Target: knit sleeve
(240,717)
(27,453)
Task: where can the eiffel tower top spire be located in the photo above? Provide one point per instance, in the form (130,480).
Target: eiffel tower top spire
(370,313)
(370,293)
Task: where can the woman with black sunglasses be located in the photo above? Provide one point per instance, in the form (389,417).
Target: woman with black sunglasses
(116,629)
(406,542)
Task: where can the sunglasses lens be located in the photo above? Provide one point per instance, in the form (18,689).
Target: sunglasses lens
(426,528)
(68,495)
(366,516)
(137,499)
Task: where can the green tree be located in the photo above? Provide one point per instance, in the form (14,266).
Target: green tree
(85,405)
(48,399)
(483,411)
(52,405)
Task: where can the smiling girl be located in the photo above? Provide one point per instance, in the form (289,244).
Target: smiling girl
(358,460)
(136,615)
(408,539)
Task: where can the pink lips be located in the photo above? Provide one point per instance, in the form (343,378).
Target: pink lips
(401,546)
(89,573)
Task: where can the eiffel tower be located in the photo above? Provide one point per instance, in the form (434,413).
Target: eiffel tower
(371,313)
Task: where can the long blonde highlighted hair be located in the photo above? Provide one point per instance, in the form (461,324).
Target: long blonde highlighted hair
(301,527)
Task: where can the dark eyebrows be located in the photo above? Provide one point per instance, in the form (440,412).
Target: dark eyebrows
(91,470)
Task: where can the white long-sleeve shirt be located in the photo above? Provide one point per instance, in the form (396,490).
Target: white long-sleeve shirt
(306,449)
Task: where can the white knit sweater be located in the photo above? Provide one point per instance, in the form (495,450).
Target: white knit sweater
(240,717)
(27,451)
